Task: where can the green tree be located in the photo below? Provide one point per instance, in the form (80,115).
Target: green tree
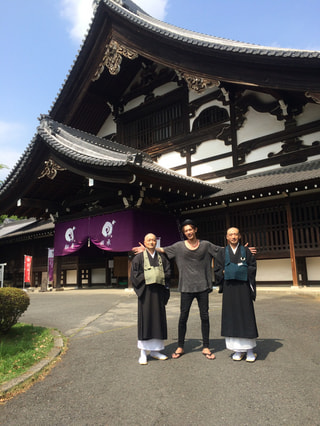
(4,216)
(2,166)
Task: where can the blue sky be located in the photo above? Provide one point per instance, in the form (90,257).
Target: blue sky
(39,40)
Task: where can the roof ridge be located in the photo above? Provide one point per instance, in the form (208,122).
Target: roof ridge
(200,38)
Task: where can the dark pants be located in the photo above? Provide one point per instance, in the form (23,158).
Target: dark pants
(185,305)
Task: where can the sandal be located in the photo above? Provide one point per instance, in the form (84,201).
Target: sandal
(209,355)
(238,356)
(251,358)
(177,355)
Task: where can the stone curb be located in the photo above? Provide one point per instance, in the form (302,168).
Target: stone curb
(55,351)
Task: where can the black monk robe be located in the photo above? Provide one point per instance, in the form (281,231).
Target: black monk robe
(152,320)
(238,317)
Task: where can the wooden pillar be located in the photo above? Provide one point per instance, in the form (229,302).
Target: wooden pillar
(302,271)
(79,274)
(291,244)
(234,137)
(188,164)
(129,271)
(57,272)
(108,272)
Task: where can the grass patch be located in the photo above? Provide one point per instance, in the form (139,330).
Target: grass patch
(23,346)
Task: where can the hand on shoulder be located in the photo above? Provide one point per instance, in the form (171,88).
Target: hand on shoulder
(252,249)
(139,249)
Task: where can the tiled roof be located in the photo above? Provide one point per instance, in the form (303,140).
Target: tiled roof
(289,175)
(20,165)
(11,226)
(83,146)
(27,226)
(128,9)
(89,149)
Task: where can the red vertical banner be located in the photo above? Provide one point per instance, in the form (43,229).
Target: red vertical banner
(27,268)
(50,265)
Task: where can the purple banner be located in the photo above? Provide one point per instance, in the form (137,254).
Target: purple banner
(117,232)
(70,236)
(50,265)
(112,232)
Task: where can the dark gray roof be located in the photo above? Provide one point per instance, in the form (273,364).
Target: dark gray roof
(85,147)
(90,149)
(223,60)
(10,226)
(272,179)
(131,12)
(20,228)
(285,181)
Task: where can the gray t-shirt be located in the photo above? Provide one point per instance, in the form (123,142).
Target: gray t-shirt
(194,266)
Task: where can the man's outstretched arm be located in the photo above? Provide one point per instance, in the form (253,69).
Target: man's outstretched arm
(140,248)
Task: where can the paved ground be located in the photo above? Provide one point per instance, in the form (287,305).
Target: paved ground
(99,380)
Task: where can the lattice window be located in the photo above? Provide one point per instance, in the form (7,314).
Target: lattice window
(212,228)
(155,127)
(209,117)
(266,228)
(306,224)
(154,122)
(84,276)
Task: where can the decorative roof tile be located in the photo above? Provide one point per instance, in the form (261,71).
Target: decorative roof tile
(90,149)
(133,13)
(279,177)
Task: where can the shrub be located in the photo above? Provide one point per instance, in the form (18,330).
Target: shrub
(13,302)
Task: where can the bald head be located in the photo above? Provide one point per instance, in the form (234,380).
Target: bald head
(233,236)
(150,242)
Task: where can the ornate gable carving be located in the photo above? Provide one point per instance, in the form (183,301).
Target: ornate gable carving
(113,57)
(198,84)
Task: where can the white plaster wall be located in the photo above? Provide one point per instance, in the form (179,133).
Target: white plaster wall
(311,112)
(166,88)
(258,124)
(171,159)
(71,276)
(313,268)
(98,275)
(211,166)
(211,148)
(194,96)
(309,139)
(275,270)
(262,153)
(108,127)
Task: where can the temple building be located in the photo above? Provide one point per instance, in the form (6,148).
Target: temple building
(155,124)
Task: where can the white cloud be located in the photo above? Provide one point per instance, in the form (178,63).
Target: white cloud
(155,8)
(79,14)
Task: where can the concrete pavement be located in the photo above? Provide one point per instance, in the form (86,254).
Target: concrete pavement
(99,380)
